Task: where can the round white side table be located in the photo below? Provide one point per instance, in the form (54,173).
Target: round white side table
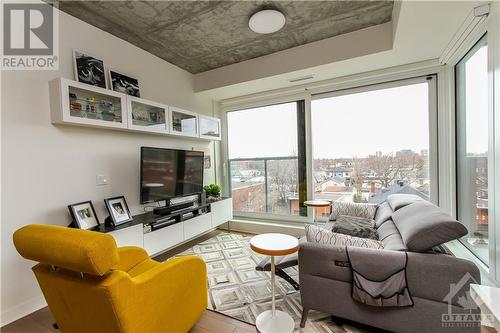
(274,321)
(314,204)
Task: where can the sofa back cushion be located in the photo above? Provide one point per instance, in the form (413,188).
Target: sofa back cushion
(364,210)
(389,235)
(423,225)
(383,214)
(397,201)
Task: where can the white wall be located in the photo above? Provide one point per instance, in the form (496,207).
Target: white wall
(47,167)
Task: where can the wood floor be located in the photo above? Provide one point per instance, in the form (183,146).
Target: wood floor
(210,322)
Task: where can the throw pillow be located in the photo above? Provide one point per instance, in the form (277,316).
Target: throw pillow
(319,235)
(352,209)
(355,226)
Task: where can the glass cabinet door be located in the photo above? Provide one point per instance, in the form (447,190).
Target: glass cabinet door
(147,116)
(209,128)
(184,122)
(89,104)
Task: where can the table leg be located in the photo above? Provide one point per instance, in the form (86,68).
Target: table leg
(273,279)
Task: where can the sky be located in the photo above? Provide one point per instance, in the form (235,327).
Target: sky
(353,125)
(476,92)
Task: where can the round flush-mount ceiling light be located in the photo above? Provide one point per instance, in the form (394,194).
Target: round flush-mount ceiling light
(267,21)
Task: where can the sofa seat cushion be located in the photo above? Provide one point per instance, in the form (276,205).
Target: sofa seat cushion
(352,209)
(355,226)
(383,214)
(389,235)
(319,235)
(423,225)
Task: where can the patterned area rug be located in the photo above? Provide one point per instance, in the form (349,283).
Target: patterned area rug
(238,290)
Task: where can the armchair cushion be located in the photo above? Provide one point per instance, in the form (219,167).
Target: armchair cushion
(74,249)
(352,209)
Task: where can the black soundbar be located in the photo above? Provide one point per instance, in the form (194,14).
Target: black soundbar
(169,209)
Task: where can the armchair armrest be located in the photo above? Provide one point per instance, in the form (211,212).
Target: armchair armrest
(173,295)
(130,256)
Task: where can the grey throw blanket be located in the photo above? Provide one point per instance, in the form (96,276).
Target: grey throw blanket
(379,280)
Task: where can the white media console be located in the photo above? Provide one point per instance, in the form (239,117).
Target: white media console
(158,241)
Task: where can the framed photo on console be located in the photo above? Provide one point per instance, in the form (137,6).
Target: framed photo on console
(83,214)
(118,210)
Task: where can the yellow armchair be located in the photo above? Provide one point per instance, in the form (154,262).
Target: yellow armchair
(91,285)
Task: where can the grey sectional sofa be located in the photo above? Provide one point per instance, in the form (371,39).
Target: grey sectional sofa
(438,281)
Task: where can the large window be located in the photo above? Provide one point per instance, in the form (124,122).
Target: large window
(266,150)
(371,142)
(472,147)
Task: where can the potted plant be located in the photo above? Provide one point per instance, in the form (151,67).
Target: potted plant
(212,191)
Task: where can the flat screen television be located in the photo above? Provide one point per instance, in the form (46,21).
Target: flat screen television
(169,173)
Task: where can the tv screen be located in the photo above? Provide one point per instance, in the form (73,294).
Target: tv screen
(168,173)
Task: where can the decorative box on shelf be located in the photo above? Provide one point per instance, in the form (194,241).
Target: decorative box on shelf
(82,104)
(209,127)
(147,115)
(183,122)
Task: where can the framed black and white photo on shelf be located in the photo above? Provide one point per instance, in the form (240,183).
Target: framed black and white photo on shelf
(118,210)
(124,84)
(83,214)
(89,69)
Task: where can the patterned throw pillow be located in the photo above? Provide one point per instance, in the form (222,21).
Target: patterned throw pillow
(355,226)
(352,209)
(319,235)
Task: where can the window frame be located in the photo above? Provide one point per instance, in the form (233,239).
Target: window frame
(384,78)
(460,146)
(287,219)
(433,119)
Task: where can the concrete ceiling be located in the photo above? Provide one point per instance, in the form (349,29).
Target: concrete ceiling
(422,30)
(204,35)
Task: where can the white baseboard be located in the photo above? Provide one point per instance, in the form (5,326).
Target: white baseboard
(22,310)
(259,227)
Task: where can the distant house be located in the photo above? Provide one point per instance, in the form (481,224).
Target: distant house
(381,194)
(340,171)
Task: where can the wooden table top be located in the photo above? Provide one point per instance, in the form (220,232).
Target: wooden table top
(317,203)
(274,244)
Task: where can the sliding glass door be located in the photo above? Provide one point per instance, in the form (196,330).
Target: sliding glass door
(374,141)
(472,147)
(266,148)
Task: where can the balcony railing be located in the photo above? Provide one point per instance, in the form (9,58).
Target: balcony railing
(265,184)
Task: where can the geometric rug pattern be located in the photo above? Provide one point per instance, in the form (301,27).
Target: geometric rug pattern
(236,289)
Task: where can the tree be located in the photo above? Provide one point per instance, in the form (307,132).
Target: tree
(406,166)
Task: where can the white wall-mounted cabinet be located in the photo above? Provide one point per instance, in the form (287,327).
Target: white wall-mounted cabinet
(82,104)
(209,127)
(147,116)
(77,103)
(183,122)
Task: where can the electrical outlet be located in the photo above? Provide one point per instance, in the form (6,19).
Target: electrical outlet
(101,180)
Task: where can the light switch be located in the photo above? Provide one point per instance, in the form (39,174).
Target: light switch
(101,180)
